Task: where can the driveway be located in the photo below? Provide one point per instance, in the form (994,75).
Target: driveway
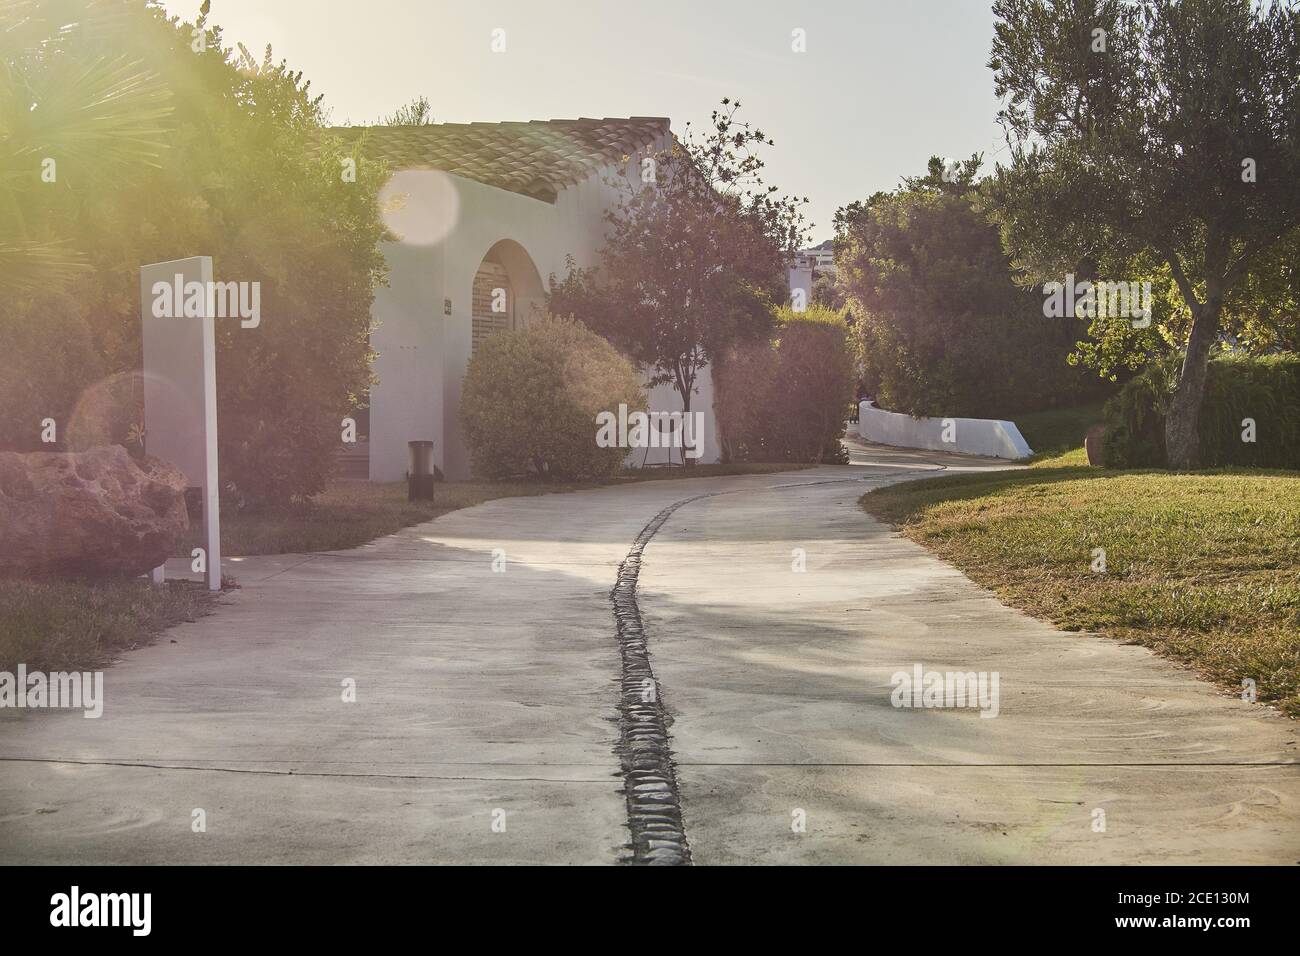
(503,713)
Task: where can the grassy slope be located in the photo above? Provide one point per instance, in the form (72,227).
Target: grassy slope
(1204,567)
(1059,431)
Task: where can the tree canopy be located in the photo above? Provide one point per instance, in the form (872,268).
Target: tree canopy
(1148,136)
(939,325)
(695,257)
(222,154)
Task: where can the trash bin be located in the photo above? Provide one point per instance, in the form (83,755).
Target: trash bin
(419,473)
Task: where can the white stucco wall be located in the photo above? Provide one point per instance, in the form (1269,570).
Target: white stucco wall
(801,277)
(406,401)
(971,436)
(446,226)
(664,398)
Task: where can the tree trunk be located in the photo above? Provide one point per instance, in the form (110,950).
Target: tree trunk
(686,413)
(685,386)
(1182,422)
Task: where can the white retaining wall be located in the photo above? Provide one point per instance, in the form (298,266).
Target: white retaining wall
(971,436)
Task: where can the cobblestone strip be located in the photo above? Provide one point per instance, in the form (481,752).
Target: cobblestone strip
(654,812)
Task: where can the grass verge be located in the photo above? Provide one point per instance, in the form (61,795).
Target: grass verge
(1203,568)
(85,625)
(350,513)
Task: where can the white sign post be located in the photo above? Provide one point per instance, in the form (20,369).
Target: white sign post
(180,387)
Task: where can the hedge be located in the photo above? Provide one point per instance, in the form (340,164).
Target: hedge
(787,400)
(1265,390)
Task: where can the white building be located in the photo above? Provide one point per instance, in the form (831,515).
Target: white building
(803,271)
(800,277)
(819,258)
(483,211)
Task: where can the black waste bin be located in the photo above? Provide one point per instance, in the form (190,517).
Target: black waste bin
(419,473)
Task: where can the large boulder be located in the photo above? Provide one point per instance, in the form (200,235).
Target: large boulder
(98,511)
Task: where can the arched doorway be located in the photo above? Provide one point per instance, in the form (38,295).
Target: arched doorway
(507,292)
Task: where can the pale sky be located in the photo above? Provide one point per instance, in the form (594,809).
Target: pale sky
(882,86)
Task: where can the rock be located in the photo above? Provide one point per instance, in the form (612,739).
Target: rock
(1093,443)
(98,511)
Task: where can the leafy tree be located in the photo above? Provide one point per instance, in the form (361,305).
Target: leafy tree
(66,111)
(250,177)
(1165,133)
(418,112)
(939,326)
(826,292)
(1262,311)
(694,260)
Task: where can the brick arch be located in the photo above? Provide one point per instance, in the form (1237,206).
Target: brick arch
(507,291)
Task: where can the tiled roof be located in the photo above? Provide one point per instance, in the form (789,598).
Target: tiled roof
(536,159)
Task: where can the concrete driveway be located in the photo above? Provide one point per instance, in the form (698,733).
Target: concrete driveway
(499,715)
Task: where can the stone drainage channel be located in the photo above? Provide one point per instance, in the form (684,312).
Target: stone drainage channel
(654,807)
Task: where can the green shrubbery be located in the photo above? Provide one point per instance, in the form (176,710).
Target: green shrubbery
(531,397)
(787,400)
(1265,390)
(226,156)
(50,357)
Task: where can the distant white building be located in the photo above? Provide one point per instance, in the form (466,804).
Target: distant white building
(819,258)
(803,271)
(800,275)
(483,214)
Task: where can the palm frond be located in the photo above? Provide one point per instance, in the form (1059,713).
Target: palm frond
(108,112)
(28,267)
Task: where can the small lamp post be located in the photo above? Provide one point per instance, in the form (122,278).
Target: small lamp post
(419,474)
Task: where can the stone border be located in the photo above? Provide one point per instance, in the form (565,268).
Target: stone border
(654,811)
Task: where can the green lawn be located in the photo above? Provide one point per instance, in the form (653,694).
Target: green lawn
(1059,431)
(350,513)
(1203,567)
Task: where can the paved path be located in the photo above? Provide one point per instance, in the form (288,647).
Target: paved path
(484,695)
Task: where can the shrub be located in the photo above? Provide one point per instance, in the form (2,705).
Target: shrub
(248,176)
(787,400)
(1238,387)
(531,396)
(741,398)
(50,357)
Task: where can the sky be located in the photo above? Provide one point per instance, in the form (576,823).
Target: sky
(881,86)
